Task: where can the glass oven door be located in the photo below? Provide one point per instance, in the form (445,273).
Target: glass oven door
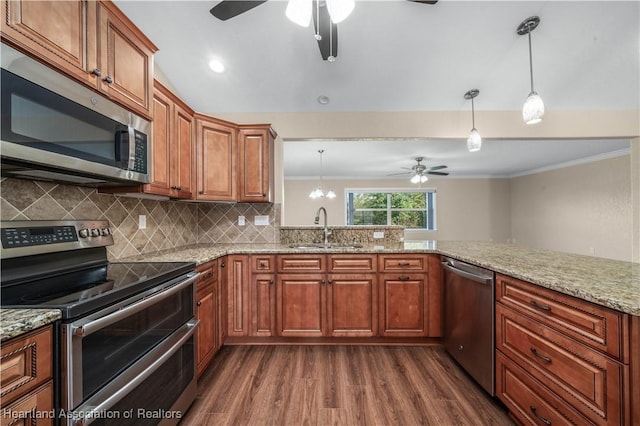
(105,345)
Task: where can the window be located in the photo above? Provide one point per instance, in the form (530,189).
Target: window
(413,210)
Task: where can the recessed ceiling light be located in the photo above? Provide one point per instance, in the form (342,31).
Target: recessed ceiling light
(216,66)
(323,100)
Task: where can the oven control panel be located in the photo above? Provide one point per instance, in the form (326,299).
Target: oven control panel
(25,238)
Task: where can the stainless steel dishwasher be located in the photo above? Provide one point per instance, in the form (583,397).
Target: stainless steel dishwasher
(468,333)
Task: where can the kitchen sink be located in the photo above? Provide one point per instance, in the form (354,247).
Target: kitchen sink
(320,246)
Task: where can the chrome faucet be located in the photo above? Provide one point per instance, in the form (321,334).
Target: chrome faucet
(326,229)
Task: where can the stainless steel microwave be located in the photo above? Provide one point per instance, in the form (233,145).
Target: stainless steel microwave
(54,128)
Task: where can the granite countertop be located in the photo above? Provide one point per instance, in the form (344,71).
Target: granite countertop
(14,322)
(611,283)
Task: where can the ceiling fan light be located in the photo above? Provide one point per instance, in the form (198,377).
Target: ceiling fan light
(340,9)
(533,109)
(415,179)
(423,179)
(299,12)
(474,141)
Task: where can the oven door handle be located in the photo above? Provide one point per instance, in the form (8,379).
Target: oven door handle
(100,323)
(88,415)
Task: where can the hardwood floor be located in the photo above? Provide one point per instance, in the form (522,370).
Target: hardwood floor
(339,385)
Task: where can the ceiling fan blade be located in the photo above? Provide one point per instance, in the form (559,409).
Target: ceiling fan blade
(425,1)
(227,9)
(437,167)
(328,31)
(398,174)
(438,173)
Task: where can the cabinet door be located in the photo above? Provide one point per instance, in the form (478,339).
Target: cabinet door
(300,305)
(125,59)
(263,305)
(54,31)
(215,161)
(205,335)
(160,145)
(352,305)
(255,165)
(181,158)
(223,303)
(403,305)
(238,295)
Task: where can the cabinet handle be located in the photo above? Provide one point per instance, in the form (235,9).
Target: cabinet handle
(108,80)
(403,278)
(262,265)
(542,419)
(198,303)
(222,265)
(322,281)
(179,188)
(330,282)
(539,306)
(270,281)
(96,72)
(174,187)
(542,357)
(200,192)
(404,264)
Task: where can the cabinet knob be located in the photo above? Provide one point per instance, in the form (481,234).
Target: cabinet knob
(222,265)
(329,281)
(200,192)
(270,281)
(198,303)
(108,80)
(174,187)
(96,72)
(179,188)
(322,281)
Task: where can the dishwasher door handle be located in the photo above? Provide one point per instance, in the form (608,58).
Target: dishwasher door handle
(477,278)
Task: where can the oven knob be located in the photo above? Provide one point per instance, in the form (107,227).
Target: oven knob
(84,233)
(105,232)
(95,232)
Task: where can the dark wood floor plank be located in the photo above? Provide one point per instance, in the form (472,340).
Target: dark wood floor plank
(339,385)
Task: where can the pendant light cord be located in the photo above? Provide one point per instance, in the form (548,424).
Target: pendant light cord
(530,62)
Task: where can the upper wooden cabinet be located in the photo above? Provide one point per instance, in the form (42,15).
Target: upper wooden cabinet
(255,163)
(216,153)
(83,38)
(234,163)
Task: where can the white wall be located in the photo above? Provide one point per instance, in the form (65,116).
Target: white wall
(584,209)
(466,209)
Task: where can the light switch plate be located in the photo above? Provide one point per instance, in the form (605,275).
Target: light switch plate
(142,221)
(261,220)
(241,221)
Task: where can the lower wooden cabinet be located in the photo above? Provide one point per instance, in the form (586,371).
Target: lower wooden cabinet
(26,372)
(555,361)
(208,340)
(237,277)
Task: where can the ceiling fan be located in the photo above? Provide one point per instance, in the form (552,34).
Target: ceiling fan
(419,171)
(326,31)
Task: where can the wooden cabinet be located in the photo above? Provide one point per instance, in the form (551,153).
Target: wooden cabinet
(216,156)
(559,357)
(263,295)
(237,271)
(234,163)
(404,295)
(255,163)
(312,301)
(207,339)
(26,372)
(90,41)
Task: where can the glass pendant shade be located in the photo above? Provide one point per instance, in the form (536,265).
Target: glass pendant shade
(533,109)
(340,9)
(474,141)
(299,12)
(330,194)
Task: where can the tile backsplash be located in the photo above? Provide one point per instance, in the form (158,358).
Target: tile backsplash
(169,223)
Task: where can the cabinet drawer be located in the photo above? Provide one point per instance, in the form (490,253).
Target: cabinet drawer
(208,272)
(585,378)
(39,401)
(25,363)
(528,400)
(341,263)
(591,324)
(263,263)
(302,263)
(398,263)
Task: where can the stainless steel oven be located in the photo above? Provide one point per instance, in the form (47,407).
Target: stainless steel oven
(125,344)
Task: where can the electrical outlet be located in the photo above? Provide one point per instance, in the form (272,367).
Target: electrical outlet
(241,221)
(378,234)
(142,221)
(261,220)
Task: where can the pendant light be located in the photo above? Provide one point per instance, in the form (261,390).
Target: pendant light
(533,109)
(319,191)
(474,141)
(340,9)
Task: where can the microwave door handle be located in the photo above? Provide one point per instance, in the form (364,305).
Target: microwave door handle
(132,148)
(98,324)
